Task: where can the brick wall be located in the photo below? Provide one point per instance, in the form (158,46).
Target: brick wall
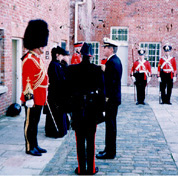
(14,17)
(147,21)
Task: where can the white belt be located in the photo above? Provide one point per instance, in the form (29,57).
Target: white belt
(141,71)
(167,70)
(43,86)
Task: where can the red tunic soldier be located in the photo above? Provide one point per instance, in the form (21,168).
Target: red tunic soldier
(34,81)
(141,75)
(167,73)
(76,58)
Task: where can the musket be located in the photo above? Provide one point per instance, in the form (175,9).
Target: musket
(52,117)
(160,93)
(133,72)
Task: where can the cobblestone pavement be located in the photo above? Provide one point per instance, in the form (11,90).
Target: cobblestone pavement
(142,148)
(147,142)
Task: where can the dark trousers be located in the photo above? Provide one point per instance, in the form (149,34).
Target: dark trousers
(111,128)
(166,82)
(140,85)
(32,118)
(85,151)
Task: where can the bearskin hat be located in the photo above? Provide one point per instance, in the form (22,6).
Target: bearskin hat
(36,34)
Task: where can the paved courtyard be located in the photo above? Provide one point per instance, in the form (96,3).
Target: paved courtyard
(147,142)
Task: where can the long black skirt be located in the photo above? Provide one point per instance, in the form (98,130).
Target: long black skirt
(56,127)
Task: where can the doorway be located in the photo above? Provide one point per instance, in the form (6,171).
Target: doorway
(16,70)
(122,53)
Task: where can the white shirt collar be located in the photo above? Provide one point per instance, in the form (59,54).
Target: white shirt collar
(110,56)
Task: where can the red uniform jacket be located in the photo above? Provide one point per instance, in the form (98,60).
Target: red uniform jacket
(142,67)
(168,65)
(34,78)
(76,58)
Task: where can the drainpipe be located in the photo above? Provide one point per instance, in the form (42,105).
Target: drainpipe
(76,18)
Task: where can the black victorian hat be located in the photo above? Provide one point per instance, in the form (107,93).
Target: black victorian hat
(141,52)
(36,34)
(62,51)
(59,50)
(167,48)
(87,50)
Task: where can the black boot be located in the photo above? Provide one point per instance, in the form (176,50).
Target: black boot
(34,152)
(41,150)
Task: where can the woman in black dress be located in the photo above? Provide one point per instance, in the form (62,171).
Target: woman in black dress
(56,95)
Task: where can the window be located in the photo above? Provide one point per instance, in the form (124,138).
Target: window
(119,34)
(1,55)
(152,52)
(63,44)
(95,47)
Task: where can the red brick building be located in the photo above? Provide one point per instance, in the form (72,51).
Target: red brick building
(14,17)
(149,24)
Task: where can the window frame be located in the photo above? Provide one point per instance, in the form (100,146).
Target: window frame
(94,60)
(119,28)
(155,56)
(63,44)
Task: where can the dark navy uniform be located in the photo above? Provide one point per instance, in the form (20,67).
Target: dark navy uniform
(112,76)
(85,82)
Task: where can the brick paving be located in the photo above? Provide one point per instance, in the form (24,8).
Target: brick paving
(142,148)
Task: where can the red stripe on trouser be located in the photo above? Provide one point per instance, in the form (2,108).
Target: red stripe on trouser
(77,154)
(94,153)
(94,157)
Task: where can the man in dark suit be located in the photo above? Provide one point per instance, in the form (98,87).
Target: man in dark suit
(112,75)
(86,81)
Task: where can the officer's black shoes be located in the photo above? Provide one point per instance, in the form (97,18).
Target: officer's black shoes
(41,150)
(101,152)
(137,103)
(91,172)
(105,156)
(81,172)
(34,152)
